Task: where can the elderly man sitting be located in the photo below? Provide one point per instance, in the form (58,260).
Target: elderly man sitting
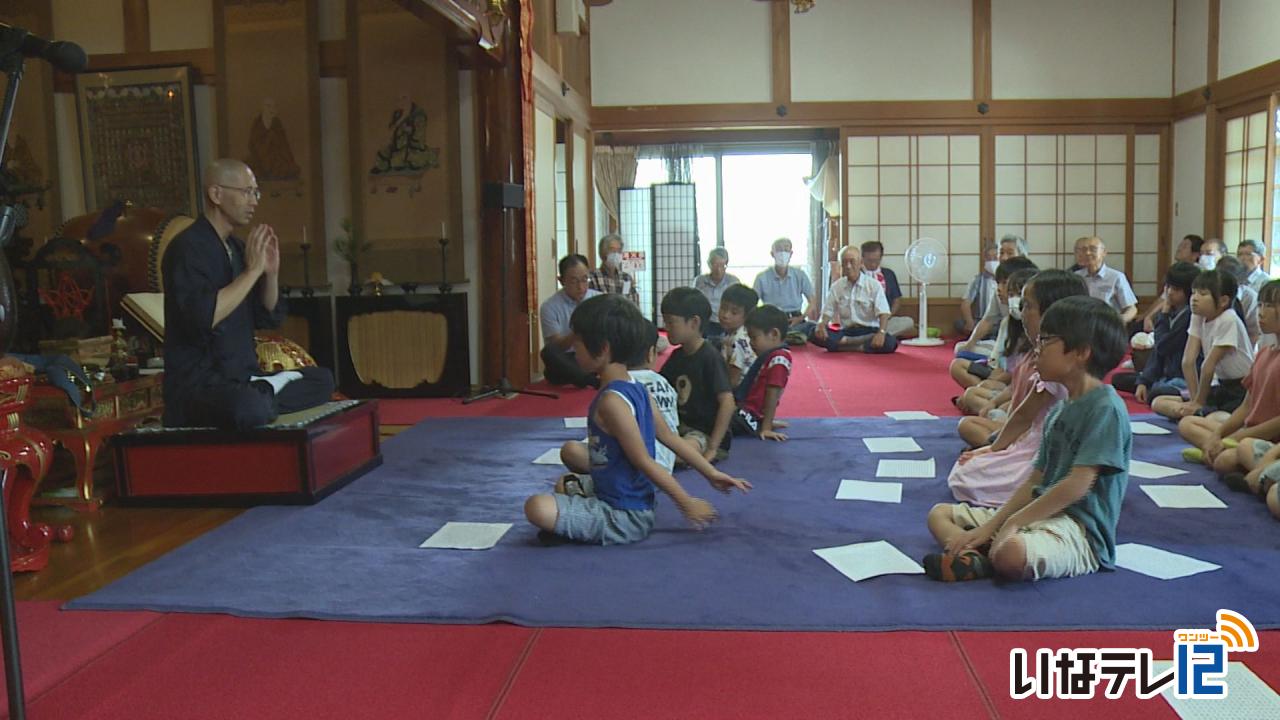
(713,284)
(790,290)
(1105,284)
(858,303)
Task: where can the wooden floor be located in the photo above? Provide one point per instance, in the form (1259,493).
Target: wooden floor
(114,541)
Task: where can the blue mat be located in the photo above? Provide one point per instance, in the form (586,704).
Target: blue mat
(354,556)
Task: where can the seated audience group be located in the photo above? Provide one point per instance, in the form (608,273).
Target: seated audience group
(1036,338)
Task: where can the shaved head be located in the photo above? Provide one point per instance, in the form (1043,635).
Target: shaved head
(226,171)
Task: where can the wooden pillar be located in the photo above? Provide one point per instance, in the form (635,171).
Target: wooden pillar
(504,311)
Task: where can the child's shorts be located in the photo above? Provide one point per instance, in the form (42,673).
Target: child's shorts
(592,521)
(700,440)
(1226,396)
(1056,547)
(1272,471)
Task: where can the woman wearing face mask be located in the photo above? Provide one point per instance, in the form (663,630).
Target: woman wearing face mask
(997,372)
(610,278)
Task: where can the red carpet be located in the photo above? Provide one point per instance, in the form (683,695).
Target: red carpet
(666,674)
(822,384)
(205,666)
(138,666)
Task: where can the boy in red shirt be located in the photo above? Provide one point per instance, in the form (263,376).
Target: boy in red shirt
(761,388)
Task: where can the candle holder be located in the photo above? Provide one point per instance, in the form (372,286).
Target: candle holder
(445,287)
(307,290)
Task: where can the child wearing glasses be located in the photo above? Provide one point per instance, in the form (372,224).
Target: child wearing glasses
(988,476)
(1061,521)
(1218,388)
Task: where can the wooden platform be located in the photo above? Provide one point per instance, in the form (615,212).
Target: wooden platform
(297,460)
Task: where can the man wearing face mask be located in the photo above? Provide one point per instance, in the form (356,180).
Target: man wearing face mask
(1106,284)
(610,278)
(1210,253)
(790,290)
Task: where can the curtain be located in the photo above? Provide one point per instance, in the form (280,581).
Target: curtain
(615,168)
(677,159)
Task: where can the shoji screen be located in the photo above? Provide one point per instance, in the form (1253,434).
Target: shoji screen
(902,187)
(1244,178)
(1053,189)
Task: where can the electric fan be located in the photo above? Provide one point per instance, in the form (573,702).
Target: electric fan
(927,262)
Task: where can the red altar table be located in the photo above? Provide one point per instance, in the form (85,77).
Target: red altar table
(299,459)
(114,408)
(25,454)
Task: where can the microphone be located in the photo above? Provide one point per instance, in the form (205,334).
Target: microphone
(65,56)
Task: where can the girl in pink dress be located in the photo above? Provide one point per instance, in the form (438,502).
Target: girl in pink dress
(989,475)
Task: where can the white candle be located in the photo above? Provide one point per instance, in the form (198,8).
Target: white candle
(304,235)
(441,229)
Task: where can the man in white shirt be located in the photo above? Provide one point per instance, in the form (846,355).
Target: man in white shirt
(1106,284)
(1249,253)
(858,304)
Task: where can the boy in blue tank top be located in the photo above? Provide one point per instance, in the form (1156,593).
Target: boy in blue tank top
(614,504)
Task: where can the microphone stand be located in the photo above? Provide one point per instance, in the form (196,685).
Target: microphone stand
(11,64)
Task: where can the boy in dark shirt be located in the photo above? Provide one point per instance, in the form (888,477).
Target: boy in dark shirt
(762,386)
(1162,375)
(697,372)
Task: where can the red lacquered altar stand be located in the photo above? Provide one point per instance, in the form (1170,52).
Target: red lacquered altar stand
(25,455)
(297,460)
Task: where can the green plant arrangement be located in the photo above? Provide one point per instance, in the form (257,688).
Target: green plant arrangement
(350,247)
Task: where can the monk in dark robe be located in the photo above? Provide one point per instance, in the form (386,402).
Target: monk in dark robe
(217,290)
(269,153)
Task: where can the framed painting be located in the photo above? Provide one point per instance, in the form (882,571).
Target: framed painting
(405,168)
(268,89)
(138,139)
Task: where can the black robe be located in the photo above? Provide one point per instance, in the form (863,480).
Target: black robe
(208,369)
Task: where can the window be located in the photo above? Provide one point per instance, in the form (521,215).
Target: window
(1244,178)
(1053,189)
(901,188)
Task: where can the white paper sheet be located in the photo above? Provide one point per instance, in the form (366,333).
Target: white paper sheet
(885,492)
(867,560)
(892,445)
(907,468)
(911,415)
(467,536)
(1145,428)
(1151,471)
(1182,496)
(550,457)
(575,422)
(1248,696)
(1159,564)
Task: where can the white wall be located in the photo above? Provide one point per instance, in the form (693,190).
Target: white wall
(1188,178)
(544,202)
(1081,49)
(1247,32)
(1191,45)
(874,50)
(674,52)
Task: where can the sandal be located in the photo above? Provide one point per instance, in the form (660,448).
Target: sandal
(572,485)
